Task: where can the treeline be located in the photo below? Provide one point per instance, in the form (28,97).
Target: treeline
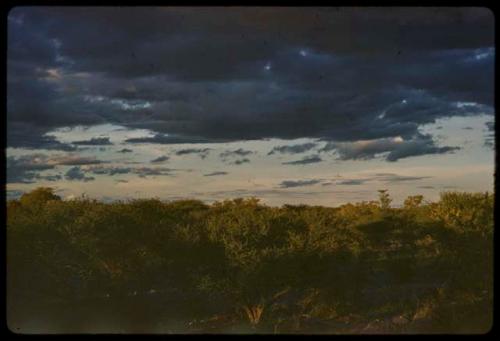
(147,266)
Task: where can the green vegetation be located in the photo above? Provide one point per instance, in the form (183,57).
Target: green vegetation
(238,266)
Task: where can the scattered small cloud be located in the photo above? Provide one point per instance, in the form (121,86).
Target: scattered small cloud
(202,152)
(146,171)
(160,159)
(74,160)
(242,161)
(350,182)
(396,148)
(391,177)
(293,149)
(13,194)
(76,174)
(426,187)
(140,171)
(304,161)
(100,170)
(215,174)
(235,153)
(167,139)
(26,166)
(489,140)
(95,141)
(299,183)
(125,150)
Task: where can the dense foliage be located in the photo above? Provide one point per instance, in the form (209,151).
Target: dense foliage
(149,266)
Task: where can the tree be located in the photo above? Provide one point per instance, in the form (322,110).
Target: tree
(413,201)
(38,197)
(384,198)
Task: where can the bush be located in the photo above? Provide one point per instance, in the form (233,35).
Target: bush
(148,262)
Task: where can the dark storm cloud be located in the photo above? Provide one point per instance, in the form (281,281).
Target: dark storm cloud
(94,141)
(215,174)
(160,159)
(293,149)
(22,135)
(299,183)
(227,74)
(304,161)
(76,174)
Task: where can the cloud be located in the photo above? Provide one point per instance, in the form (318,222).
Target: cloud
(181,83)
(203,153)
(351,182)
(26,168)
(74,160)
(13,194)
(293,149)
(167,139)
(489,140)
(490,125)
(160,159)
(75,174)
(55,177)
(21,135)
(298,183)
(100,170)
(396,148)
(215,174)
(305,160)
(384,177)
(235,153)
(140,171)
(391,177)
(146,171)
(94,141)
(242,161)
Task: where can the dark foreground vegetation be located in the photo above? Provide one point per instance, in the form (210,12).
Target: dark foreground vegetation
(147,266)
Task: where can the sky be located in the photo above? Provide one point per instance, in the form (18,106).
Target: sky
(319,106)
